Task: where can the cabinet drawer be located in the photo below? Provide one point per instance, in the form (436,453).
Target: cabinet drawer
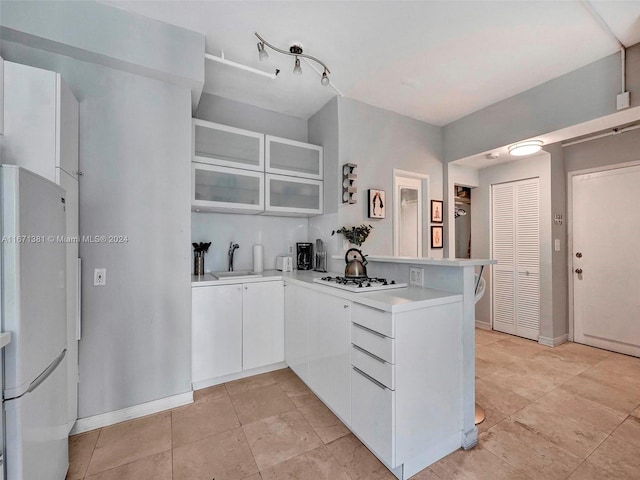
(375,367)
(372,408)
(376,320)
(373,342)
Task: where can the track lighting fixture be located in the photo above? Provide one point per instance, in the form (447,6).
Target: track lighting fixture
(297,70)
(295,51)
(262,53)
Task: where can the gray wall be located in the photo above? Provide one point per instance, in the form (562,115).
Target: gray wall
(378,141)
(241,115)
(584,94)
(621,148)
(135,143)
(324,130)
(110,36)
(537,166)
(559,258)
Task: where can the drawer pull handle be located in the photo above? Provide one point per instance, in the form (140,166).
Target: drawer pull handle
(371,379)
(375,357)
(367,307)
(378,334)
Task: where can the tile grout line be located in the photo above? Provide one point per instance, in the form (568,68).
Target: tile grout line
(84,475)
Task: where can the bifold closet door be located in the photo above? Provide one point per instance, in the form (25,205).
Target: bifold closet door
(516,247)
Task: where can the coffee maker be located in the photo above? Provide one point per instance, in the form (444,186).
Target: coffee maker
(304,256)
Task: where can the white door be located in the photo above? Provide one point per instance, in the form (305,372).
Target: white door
(216,332)
(606,259)
(407,216)
(262,324)
(516,247)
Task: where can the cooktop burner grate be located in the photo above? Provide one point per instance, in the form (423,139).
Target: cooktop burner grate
(366,284)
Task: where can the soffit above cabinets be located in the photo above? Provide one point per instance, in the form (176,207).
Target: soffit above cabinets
(434,61)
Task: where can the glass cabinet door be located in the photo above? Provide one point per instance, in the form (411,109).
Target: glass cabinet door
(288,157)
(293,196)
(226,189)
(217,144)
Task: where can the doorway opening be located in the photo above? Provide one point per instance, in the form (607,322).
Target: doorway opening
(462,218)
(408,213)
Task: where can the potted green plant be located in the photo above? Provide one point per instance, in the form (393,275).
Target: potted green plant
(355,235)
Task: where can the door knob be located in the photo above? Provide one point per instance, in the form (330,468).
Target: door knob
(579,271)
(579,254)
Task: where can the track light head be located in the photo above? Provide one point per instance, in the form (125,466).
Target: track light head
(262,53)
(297,70)
(325,78)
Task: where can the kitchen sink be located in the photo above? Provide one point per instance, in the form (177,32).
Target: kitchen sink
(236,274)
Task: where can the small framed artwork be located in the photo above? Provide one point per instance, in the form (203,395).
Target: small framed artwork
(436,211)
(377,202)
(436,236)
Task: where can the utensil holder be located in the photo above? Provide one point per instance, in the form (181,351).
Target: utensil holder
(198,264)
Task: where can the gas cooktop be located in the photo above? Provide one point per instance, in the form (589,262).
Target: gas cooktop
(359,285)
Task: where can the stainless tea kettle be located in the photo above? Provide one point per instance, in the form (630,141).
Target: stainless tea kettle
(355,268)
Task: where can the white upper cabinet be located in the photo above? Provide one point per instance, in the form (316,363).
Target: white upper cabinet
(217,144)
(289,157)
(41,122)
(222,189)
(1,96)
(293,196)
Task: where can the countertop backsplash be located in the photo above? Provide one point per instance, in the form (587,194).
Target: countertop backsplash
(275,234)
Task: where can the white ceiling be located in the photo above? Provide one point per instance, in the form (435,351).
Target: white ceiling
(435,61)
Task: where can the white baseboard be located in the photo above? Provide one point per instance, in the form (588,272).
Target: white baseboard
(129,413)
(483,325)
(553,342)
(210,382)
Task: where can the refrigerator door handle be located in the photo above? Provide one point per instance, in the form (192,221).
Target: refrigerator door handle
(44,375)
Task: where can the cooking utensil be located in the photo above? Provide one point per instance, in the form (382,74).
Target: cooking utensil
(355,268)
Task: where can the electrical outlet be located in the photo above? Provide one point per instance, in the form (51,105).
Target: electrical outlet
(290,249)
(416,276)
(99,277)
(622,101)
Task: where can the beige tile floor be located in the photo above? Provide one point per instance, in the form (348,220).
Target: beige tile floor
(570,412)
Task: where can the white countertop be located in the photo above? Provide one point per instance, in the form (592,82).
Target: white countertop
(444,262)
(394,300)
(5,339)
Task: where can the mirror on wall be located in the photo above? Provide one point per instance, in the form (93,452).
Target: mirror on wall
(408,215)
(462,218)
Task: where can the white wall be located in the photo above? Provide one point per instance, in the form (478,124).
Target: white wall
(275,234)
(135,138)
(536,166)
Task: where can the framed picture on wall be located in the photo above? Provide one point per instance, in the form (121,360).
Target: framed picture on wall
(436,236)
(377,202)
(436,211)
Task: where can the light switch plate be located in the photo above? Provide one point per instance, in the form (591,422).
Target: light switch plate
(557,244)
(416,276)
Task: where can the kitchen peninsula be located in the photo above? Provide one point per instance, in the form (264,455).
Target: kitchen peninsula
(396,366)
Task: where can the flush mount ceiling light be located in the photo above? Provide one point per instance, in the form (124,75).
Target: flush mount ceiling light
(294,51)
(525,148)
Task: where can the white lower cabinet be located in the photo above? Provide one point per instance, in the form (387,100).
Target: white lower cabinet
(234,328)
(329,351)
(393,378)
(262,324)
(216,331)
(372,414)
(296,315)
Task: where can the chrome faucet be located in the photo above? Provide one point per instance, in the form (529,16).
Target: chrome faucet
(232,249)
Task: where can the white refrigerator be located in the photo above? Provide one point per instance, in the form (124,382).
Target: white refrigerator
(34,311)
